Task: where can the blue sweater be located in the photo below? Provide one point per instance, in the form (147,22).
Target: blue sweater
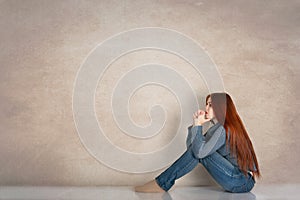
(214,140)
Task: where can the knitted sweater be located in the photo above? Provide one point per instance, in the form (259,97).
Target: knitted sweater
(214,140)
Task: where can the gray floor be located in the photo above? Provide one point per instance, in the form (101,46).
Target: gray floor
(178,193)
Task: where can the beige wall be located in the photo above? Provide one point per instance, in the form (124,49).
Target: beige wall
(255,45)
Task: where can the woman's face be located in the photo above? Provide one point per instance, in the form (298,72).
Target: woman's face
(209,114)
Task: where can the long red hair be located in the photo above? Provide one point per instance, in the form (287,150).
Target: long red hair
(240,144)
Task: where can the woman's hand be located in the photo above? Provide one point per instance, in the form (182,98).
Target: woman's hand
(199,118)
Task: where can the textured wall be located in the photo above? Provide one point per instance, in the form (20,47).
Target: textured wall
(255,45)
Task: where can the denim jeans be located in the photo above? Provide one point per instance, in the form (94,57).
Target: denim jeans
(224,173)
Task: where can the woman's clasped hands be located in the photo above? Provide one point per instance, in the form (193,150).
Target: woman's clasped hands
(199,118)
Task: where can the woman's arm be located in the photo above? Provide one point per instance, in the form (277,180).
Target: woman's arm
(198,120)
(202,148)
(191,136)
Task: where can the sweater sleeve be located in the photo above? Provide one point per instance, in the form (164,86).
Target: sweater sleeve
(191,135)
(202,147)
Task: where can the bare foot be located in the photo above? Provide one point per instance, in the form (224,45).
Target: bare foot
(150,187)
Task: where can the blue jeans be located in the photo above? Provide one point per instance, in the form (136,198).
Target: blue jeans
(227,175)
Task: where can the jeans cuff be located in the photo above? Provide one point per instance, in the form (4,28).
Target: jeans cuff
(160,185)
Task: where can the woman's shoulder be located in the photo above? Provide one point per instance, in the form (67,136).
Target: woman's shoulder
(219,127)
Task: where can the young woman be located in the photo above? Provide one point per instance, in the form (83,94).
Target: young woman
(225,150)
